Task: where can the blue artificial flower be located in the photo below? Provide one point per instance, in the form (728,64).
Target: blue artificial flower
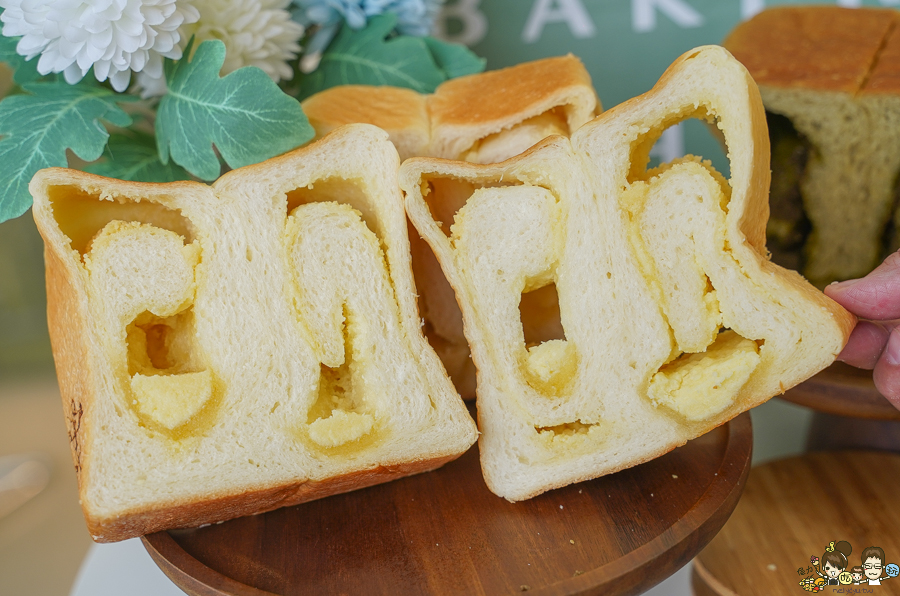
(414,17)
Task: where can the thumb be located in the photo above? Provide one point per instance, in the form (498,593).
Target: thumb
(875,296)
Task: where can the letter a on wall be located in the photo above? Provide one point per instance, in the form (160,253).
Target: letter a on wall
(571,12)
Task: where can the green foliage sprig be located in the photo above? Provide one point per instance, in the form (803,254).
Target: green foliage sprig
(204,119)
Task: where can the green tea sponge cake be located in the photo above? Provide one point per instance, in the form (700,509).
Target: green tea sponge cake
(232,349)
(674,320)
(834,74)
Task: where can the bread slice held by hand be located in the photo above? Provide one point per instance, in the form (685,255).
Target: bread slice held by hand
(674,320)
(232,349)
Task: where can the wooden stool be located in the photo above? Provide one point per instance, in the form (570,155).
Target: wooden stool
(792,509)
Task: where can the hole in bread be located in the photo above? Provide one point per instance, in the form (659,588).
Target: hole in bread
(171,390)
(157,344)
(336,190)
(550,361)
(539,310)
(788,227)
(81,215)
(695,128)
(442,318)
(502,145)
(445,196)
(341,416)
(568,438)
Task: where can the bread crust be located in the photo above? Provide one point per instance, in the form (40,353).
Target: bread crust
(402,113)
(824,48)
(884,77)
(469,108)
(65,320)
(219,508)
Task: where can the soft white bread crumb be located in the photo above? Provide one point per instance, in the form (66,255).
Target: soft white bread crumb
(482,118)
(227,350)
(674,320)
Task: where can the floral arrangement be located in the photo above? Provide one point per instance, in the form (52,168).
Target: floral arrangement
(163,90)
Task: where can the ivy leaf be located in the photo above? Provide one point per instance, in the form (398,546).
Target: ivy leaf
(455,60)
(244,114)
(134,157)
(39,125)
(367,57)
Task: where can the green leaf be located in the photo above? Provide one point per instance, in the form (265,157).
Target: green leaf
(366,57)
(244,114)
(455,60)
(134,157)
(39,125)
(23,72)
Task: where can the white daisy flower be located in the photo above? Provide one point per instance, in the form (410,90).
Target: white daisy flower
(115,37)
(255,32)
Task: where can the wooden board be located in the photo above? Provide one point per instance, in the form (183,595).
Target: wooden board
(444,533)
(791,510)
(843,390)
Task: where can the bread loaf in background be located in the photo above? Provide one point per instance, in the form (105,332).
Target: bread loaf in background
(674,320)
(481,118)
(834,73)
(232,349)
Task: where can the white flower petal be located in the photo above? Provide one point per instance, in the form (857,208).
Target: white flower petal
(119,80)
(116,37)
(73,74)
(101,69)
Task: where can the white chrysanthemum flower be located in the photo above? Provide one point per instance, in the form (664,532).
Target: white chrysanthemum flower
(255,32)
(115,37)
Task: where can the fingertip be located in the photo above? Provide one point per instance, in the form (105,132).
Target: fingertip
(887,371)
(865,345)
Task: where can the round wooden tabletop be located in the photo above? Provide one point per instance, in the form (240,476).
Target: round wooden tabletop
(443,532)
(842,390)
(793,509)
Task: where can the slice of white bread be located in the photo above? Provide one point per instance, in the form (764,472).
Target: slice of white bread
(481,118)
(674,319)
(232,349)
(835,74)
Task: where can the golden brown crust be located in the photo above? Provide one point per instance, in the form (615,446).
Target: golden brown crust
(885,75)
(495,96)
(400,112)
(821,47)
(498,94)
(66,321)
(389,108)
(215,509)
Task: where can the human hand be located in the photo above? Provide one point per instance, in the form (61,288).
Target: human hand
(875,342)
